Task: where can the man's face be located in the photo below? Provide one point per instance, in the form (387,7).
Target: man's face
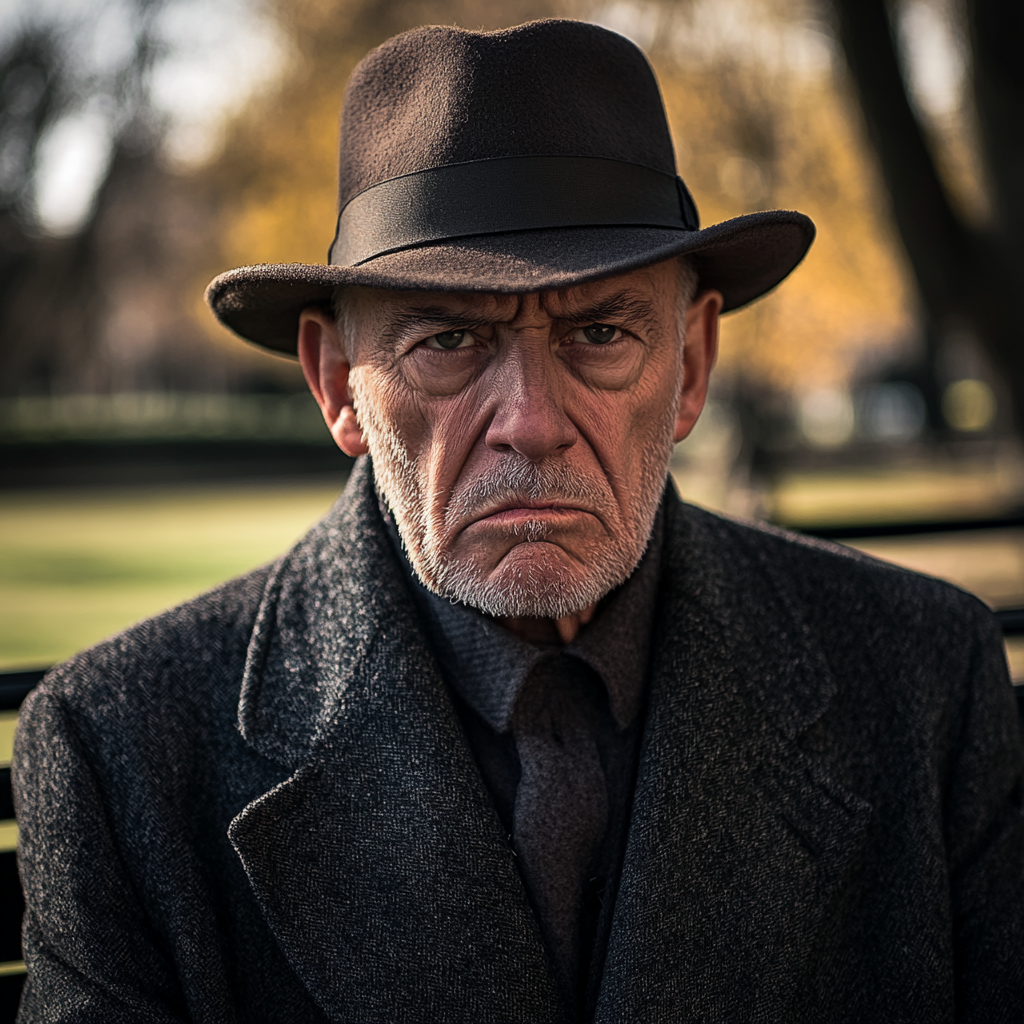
(522,441)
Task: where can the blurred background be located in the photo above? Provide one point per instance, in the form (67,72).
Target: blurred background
(146,145)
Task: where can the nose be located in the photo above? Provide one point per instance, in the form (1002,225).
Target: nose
(529,415)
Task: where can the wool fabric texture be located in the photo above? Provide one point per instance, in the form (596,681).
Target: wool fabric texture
(261,805)
(561,810)
(491,671)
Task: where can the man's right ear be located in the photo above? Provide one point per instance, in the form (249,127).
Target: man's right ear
(323,360)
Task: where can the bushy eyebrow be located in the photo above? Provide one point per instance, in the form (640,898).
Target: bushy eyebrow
(621,307)
(437,318)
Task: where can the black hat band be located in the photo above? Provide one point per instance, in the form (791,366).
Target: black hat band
(488,197)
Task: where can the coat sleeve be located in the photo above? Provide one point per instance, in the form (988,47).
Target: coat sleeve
(90,954)
(985,840)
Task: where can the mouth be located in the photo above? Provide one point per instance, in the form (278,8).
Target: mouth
(518,510)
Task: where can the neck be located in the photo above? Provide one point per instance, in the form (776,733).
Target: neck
(550,631)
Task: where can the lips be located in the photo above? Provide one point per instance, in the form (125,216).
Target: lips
(523,508)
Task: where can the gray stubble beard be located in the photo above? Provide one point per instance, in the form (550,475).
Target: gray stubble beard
(517,593)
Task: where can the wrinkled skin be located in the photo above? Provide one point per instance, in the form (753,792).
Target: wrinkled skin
(522,441)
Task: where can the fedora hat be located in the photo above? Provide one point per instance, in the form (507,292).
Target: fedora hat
(528,159)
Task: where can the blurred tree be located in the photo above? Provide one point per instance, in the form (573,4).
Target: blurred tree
(34,92)
(968,274)
(762,118)
(50,320)
(109,304)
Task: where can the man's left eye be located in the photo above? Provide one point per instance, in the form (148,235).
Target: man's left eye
(598,334)
(448,340)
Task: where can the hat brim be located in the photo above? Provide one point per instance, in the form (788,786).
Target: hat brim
(743,258)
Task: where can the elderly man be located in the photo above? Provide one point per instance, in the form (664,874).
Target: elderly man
(513,734)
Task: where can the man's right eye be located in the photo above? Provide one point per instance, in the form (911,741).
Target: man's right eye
(448,340)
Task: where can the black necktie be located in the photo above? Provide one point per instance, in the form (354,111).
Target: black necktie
(561,809)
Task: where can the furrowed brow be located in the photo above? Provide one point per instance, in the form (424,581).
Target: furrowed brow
(620,308)
(432,318)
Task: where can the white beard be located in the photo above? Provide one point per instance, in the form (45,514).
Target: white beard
(520,591)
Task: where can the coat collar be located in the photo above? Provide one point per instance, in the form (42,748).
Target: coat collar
(380,863)
(330,608)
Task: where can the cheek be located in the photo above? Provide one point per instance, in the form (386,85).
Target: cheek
(657,400)
(440,374)
(384,403)
(618,368)
(454,426)
(619,424)
(437,433)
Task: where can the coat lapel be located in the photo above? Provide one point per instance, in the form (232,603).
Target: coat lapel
(739,842)
(380,863)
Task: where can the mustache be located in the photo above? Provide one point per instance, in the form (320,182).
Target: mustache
(515,478)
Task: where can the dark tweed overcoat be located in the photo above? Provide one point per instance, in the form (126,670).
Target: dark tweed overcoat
(261,807)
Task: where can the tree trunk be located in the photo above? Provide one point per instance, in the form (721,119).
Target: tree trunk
(964,277)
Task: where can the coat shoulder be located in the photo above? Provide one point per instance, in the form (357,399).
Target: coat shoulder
(183,664)
(823,575)
(896,645)
(882,632)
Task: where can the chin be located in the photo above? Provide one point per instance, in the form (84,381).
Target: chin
(535,581)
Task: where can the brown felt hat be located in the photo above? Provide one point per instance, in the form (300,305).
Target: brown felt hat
(533,158)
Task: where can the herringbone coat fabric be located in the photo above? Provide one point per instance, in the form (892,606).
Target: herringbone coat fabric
(261,807)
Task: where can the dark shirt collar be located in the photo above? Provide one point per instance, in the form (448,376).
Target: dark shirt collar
(487,665)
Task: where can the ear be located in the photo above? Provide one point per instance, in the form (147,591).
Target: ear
(699,353)
(326,368)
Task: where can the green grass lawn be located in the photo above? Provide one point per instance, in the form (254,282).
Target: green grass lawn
(884,494)
(77,566)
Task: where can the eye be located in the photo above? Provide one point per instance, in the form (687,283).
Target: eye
(449,340)
(597,334)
